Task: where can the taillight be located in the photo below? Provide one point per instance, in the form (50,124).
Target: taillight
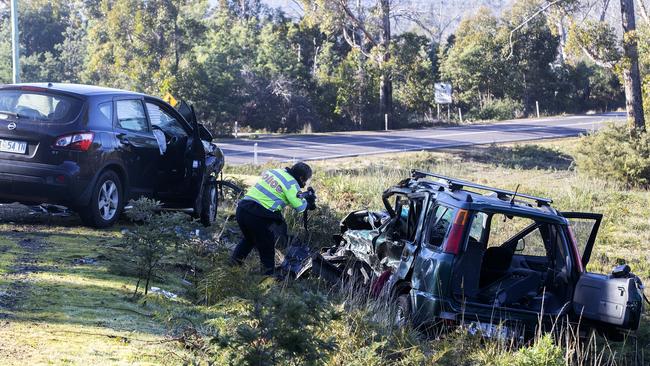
(77,141)
(455,237)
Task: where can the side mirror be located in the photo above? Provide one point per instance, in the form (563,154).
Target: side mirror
(521,245)
(205,134)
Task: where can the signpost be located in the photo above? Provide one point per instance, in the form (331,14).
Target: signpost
(443,93)
(443,96)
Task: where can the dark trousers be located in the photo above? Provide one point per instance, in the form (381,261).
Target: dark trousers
(261,233)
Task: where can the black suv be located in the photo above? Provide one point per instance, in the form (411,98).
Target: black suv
(449,253)
(92,149)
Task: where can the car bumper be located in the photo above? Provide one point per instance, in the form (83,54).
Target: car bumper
(28,182)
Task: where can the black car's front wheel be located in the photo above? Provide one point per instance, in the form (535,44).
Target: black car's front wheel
(209,205)
(105,204)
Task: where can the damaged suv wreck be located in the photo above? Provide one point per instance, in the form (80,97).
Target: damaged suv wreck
(449,254)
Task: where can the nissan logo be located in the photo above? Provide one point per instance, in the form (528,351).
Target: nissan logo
(11,126)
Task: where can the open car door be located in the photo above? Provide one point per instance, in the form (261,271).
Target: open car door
(584,229)
(195,157)
(613,300)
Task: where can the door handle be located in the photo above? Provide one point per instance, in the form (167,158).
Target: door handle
(123,139)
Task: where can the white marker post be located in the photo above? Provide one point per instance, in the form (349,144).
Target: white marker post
(537,107)
(438,107)
(255,154)
(460,115)
(236,129)
(386,121)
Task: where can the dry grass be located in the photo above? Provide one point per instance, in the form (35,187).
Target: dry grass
(81,314)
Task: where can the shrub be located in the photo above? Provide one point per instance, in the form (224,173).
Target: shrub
(498,109)
(543,353)
(616,153)
(272,326)
(152,236)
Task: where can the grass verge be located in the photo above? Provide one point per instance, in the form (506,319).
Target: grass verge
(66,294)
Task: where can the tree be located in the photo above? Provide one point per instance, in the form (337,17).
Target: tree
(630,66)
(473,62)
(414,69)
(534,48)
(366,27)
(139,45)
(598,41)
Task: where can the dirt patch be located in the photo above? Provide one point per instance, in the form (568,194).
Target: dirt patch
(19,287)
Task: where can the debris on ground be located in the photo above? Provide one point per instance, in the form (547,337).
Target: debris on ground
(84,261)
(165,293)
(53,210)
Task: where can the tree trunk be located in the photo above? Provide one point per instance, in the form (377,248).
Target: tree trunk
(561,29)
(361,72)
(631,75)
(385,84)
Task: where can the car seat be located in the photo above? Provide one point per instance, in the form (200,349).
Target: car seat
(466,277)
(495,265)
(60,111)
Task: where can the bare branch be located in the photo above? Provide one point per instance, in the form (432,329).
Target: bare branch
(353,44)
(603,12)
(594,58)
(418,22)
(356,21)
(541,10)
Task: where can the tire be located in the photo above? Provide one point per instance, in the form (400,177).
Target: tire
(209,203)
(403,312)
(106,202)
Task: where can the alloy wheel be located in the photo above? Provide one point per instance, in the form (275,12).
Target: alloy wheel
(107,200)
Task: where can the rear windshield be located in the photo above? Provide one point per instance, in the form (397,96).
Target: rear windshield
(49,108)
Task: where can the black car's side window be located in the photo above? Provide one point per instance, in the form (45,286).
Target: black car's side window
(105,113)
(131,116)
(165,121)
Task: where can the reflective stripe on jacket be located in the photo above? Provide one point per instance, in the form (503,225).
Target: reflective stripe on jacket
(275,190)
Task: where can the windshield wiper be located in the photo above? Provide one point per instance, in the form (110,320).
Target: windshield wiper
(13,114)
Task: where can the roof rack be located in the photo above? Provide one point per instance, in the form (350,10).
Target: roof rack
(457,184)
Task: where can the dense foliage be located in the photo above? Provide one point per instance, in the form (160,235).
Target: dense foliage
(242,61)
(616,153)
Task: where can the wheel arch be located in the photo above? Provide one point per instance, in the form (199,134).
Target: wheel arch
(401,287)
(114,166)
(121,173)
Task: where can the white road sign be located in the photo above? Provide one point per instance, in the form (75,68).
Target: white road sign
(443,93)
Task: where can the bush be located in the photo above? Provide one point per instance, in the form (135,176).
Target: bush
(498,109)
(273,325)
(151,237)
(616,153)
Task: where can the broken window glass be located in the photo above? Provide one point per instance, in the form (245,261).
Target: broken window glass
(440,221)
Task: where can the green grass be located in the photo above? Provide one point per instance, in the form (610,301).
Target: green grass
(67,313)
(84,314)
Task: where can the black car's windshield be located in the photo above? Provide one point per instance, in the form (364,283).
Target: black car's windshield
(38,106)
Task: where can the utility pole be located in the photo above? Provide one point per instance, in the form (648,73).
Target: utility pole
(14,41)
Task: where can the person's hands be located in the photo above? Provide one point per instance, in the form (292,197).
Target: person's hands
(310,197)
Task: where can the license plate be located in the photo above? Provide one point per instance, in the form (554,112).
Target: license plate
(16,147)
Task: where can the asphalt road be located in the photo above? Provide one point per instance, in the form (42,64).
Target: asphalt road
(347,144)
